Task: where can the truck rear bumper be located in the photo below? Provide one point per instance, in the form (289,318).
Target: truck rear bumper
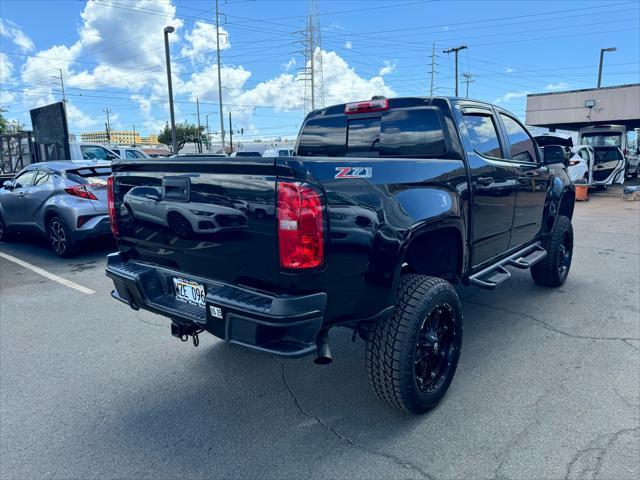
(282,325)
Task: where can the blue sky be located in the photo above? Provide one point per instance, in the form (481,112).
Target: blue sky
(111,54)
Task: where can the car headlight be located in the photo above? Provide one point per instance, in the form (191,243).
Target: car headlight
(200,213)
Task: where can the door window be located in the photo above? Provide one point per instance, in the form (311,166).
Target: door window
(24,180)
(584,153)
(483,134)
(43,178)
(522,146)
(94,152)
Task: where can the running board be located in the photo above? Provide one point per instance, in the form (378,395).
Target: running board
(494,275)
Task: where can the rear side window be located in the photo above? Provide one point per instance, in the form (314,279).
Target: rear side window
(522,146)
(483,134)
(324,136)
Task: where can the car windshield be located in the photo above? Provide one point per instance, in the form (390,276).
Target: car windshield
(602,139)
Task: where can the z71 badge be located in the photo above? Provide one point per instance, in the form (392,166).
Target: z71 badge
(354,172)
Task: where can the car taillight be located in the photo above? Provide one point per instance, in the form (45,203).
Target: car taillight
(111,207)
(573,162)
(368,106)
(81,191)
(300,226)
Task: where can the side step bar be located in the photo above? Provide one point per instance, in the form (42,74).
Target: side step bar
(494,275)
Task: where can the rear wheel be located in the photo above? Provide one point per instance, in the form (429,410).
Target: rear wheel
(179,225)
(59,237)
(552,271)
(412,356)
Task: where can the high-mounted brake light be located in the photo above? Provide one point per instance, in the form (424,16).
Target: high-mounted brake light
(81,191)
(111,206)
(300,226)
(368,106)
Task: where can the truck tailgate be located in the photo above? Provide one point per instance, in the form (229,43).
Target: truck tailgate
(209,218)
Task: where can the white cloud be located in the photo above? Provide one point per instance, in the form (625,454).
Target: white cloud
(557,86)
(388,68)
(348,45)
(11,31)
(6,68)
(507,97)
(80,120)
(509,69)
(201,40)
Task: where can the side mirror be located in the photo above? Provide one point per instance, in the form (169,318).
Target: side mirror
(553,154)
(8,185)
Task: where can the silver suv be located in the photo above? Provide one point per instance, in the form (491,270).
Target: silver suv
(64,200)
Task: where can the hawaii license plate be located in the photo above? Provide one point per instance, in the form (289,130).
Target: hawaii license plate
(189,291)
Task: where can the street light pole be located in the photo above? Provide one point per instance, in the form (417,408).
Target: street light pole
(198,115)
(206,116)
(602,50)
(219,76)
(174,143)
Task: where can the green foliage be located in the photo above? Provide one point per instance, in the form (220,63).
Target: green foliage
(4,124)
(185,133)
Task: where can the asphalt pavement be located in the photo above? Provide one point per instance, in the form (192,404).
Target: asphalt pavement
(548,385)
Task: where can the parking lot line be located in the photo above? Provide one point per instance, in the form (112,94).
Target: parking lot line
(49,275)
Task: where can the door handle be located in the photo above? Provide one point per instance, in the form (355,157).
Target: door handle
(485,181)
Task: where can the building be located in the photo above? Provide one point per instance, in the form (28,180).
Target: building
(574,109)
(150,140)
(120,137)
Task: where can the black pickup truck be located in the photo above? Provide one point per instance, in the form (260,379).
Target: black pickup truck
(385,204)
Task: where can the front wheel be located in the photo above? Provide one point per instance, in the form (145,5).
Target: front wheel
(4,231)
(552,271)
(412,356)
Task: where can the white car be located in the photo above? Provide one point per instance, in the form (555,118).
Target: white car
(613,136)
(128,152)
(183,219)
(90,151)
(581,164)
(278,152)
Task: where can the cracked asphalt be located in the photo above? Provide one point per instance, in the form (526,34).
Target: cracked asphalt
(548,385)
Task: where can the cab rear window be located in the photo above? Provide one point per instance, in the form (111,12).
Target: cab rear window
(410,132)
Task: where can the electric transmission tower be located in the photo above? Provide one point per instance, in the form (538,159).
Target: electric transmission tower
(312,72)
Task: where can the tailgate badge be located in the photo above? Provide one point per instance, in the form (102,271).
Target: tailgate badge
(354,172)
(215,311)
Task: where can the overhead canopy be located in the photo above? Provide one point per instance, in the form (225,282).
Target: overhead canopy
(574,109)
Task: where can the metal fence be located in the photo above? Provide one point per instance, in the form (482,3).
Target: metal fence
(17,150)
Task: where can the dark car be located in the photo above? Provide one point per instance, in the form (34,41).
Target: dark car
(385,205)
(66,201)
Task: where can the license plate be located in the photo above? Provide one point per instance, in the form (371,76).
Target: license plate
(189,291)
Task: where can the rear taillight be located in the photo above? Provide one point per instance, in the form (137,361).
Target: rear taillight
(573,162)
(300,226)
(81,191)
(368,106)
(111,206)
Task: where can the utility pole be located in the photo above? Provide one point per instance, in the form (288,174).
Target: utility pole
(198,115)
(433,67)
(60,77)
(219,75)
(107,124)
(134,134)
(455,50)
(206,116)
(230,134)
(313,64)
(174,142)
(467,79)
(602,50)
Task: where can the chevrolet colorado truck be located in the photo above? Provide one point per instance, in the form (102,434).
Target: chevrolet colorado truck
(383,207)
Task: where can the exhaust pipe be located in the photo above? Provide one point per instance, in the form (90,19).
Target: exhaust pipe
(323,353)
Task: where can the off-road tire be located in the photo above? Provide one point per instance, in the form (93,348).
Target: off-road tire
(392,344)
(552,271)
(59,237)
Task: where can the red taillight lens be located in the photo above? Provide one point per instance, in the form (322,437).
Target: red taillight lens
(111,207)
(81,191)
(300,226)
(368,106)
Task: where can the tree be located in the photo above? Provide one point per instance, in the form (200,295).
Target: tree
(4,125)
(185,133)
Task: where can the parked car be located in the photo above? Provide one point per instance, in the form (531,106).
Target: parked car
(90,151)
(278,152)
(606,139)
(128,152)
(65,201)
(581,164)
(422,192)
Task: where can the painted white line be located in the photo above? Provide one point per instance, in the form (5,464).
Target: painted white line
(50,276)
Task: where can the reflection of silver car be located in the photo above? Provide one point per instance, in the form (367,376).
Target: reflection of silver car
(184,219)
(64,200)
